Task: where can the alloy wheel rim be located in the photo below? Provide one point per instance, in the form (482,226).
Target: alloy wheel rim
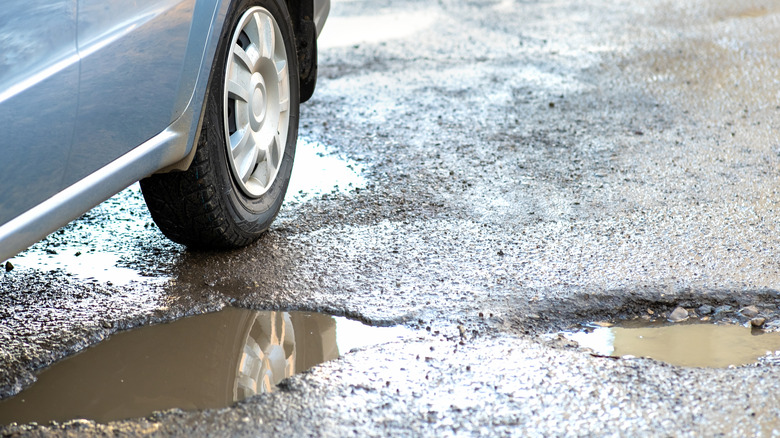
(256,101)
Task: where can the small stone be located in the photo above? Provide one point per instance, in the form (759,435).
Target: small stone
(650,311)
(678,314)
(603,324)
(757,322)
(533,316)
(723,309)
(8,266)
(749,311)
(705,309)
(77,423)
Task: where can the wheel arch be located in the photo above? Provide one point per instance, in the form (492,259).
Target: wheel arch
(307,17)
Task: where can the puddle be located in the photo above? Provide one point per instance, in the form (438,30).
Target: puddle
(683,344)
(101,267)
(92,247)
(201,362)
(317,171)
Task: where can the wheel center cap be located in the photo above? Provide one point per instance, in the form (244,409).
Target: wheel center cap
(258,103)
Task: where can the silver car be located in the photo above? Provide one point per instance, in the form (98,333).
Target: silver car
(197,99)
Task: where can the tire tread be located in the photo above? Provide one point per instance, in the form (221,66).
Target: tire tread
(186,208)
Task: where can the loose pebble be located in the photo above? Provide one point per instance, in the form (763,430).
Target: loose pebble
(749,311)
(678,314)
(705,309)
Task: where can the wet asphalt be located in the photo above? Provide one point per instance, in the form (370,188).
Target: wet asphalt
(506,170)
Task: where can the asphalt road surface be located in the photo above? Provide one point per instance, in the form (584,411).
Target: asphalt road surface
(494,172)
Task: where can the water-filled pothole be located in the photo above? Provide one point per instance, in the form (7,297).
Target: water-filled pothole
(206,361)
(691,344)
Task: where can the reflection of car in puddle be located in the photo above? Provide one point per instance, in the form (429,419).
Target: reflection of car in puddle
(279,346)
(209,361)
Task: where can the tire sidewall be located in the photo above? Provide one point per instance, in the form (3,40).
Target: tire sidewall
(251,215)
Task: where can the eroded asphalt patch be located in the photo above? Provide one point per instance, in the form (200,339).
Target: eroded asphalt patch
(528,167)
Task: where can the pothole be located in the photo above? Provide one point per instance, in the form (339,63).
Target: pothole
(201,362)
(693,343)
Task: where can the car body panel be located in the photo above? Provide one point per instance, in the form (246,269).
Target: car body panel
(38,97)
(132,54)
(321,10)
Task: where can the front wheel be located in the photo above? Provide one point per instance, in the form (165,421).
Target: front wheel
(237,181)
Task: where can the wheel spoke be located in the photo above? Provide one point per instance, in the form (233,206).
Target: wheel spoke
(267,36)
(281,68)
(266,143)
(274,155)
(269,168)
(254,55)
(283,85)
(253,29)
(237,91)
(239,141)
(249,163)
(243,58)
(246,170)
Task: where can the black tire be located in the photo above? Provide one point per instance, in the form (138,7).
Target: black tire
(205,206)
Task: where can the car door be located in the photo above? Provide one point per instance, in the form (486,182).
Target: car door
(38,93)
(132,53)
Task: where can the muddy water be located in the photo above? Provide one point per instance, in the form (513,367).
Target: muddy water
(691,345)
(207,361)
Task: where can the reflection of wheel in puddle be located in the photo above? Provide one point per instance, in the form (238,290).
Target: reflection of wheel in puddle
(205,362)
(268,356)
